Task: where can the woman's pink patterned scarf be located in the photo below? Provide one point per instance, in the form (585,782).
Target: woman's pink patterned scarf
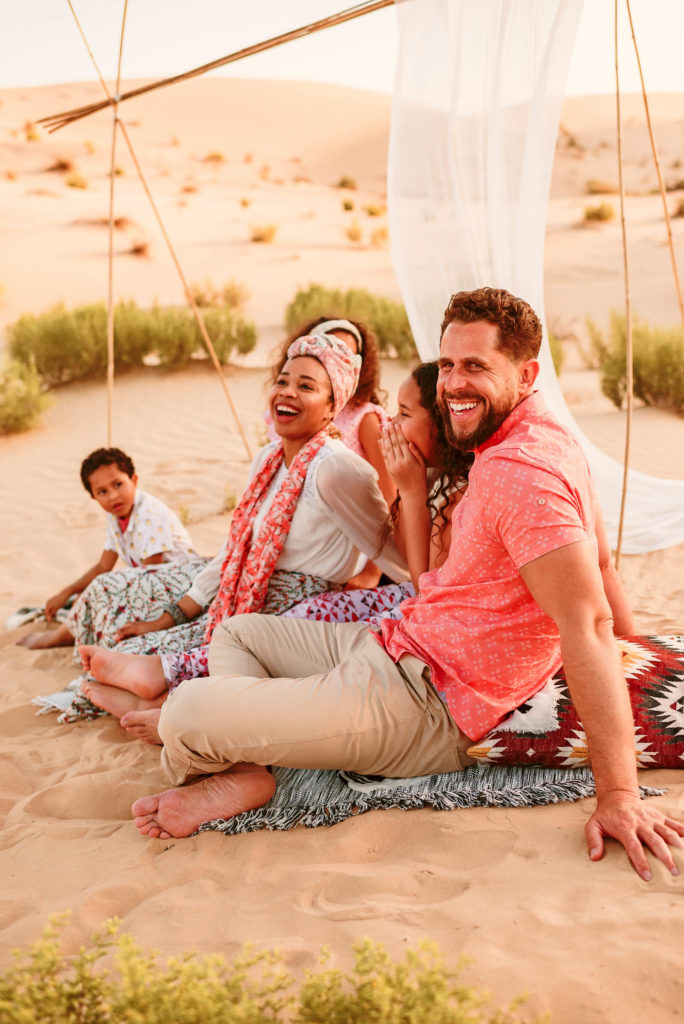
(248,567)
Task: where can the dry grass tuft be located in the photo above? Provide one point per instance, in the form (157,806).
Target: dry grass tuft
(89,147)
(11,175)
(188,187)
(215,157)
(139,248)
(347,205)
(353,231)
(600,212)
(263,232)
(62,165)
(679,209)
(596,187)
(31,132)
(379,238)
(244,202)
(346,182)
(375,209)
(76,180)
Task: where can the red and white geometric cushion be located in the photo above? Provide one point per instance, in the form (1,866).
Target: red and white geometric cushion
(546,730)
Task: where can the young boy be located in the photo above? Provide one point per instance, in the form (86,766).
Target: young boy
(141,530)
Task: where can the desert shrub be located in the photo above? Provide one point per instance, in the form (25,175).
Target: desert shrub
(69,345)
(385,317)
(215,157)
(557,353)
(76,181)
(244,202)
(346,182)
(228,333)
(375,209)
(263,232)
(600,212)
(353,231)
(21,397)
(596,187)
(139,248)
(347,205)
(47,986)
(658,363)
(62,165)
(232,294)
(379,238)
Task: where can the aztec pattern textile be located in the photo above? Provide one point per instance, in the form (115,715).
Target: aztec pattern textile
(313,798)
(370,605)
(546,730)
(284,588)
(249,565)
(115,598)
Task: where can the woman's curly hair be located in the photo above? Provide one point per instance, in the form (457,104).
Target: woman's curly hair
(452,465)
(368,389)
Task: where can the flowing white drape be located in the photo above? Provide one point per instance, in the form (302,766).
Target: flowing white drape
(477,101)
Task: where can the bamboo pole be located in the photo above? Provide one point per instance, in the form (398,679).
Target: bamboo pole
(188,294)
(628,305)
(656,161)
(110,268)
(57,121)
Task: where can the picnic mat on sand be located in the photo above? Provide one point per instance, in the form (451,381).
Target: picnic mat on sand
(313,798)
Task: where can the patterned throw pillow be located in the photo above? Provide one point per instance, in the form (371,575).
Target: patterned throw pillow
(546,730)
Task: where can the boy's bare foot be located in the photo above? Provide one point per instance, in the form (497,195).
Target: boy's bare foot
(143,724)
(177,813)
(60,637)
(117,702)
(141,674)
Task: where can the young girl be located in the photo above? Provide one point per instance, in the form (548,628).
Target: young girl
(310,509)
(430,477)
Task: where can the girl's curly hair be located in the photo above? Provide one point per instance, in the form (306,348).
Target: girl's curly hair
(452,466)
(368,389)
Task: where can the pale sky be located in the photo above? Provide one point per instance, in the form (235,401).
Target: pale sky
(39,43)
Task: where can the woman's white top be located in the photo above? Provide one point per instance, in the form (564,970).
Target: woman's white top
(340,515)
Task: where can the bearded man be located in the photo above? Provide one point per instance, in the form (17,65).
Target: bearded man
(520,592)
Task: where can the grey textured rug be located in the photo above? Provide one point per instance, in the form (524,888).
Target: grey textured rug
(313,798)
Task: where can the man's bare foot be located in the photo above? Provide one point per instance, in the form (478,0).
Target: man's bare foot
(141,674)
(144,724)
(117,702)
(60,637)
(177,813)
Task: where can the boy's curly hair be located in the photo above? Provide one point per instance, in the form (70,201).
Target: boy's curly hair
(105,457)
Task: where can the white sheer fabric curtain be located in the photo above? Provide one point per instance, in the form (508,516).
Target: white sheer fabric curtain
(477,101)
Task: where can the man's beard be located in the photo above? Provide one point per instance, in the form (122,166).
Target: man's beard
(491,420)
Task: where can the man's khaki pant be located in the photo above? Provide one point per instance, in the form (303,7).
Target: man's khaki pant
(308,695)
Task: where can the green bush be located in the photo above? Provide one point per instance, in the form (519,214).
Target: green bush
(21,397)
(557,353)
(658,363)
(600,212)
(385,317)
(69,345)
(45,986)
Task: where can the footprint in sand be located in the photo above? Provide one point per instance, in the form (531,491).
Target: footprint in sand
(399,889)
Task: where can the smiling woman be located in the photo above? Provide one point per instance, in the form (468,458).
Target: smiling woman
(311,509)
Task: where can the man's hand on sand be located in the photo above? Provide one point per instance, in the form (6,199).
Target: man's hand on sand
(635,824)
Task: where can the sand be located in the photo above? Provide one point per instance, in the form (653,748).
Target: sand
(513,889)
